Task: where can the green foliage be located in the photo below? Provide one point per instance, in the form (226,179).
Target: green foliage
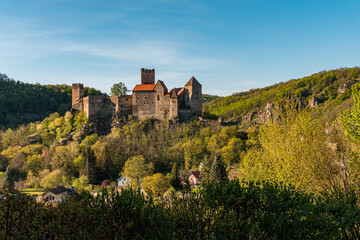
(81,183)
(136,168)
(218,171)
(155,185)
(351,118)
(323,85)
(54,179)
(23,102)
(8,180)
(205,168)
(228,210)
(119,89)
(174,177)
(208,97)
(297,149)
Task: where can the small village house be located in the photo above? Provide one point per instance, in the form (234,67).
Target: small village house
(58,194)
(194,178)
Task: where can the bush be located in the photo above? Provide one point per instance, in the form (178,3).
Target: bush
(226,210)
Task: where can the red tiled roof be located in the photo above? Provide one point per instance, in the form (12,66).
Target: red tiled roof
(180,91)
(144,87)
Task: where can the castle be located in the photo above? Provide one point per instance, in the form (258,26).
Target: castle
(148,100)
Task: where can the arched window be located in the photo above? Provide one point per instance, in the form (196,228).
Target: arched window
(158,97)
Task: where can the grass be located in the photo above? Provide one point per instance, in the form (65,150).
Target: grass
(32,192)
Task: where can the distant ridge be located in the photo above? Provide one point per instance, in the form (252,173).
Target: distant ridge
(328,92)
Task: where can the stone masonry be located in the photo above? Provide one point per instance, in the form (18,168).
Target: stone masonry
(148,100)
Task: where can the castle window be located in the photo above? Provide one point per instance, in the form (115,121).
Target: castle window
(158,97)
(127,99)
(145,97)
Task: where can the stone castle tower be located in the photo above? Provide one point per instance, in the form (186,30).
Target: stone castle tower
(77,96)
(148,100)
(147,76)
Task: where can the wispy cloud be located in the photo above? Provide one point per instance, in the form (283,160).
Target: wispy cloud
(161,53)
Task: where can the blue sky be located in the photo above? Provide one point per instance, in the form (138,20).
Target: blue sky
(229,46)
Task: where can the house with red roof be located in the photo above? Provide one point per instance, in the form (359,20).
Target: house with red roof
(148,100)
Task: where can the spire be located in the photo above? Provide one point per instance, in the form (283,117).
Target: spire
(173,94)
(193,82)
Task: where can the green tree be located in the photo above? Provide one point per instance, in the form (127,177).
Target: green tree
(155,185)
(231,152)
(136,168)
(81,182)
(8,184)
(55,178)
(119,89)
(205,168)
(89,163)
(175,180)
(218,171)
(295,150)
(351,118)
(34,164)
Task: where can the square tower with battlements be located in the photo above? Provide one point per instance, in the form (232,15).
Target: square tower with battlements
(147,76)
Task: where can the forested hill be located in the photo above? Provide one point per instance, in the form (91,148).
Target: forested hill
(327,91)
(23,102)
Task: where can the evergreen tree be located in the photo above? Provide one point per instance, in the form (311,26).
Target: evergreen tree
(88,169)
(8,180)
(205,169)
(218,171)
(175,180)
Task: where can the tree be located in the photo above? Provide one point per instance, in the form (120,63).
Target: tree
(136,168)
(155,185)
(351,119)
(8,184)
(34,164)
(119,89)
(231,152)
(3,163)
(205,168)
(89,162)
(296,150)
(175,180)
(81,182)
(218,171)
(55,178)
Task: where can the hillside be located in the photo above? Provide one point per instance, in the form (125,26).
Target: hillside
(22,103)
(70,150)
(327,91)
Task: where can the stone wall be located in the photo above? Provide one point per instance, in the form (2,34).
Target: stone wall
(123,104)
(98,106)
(143,105)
